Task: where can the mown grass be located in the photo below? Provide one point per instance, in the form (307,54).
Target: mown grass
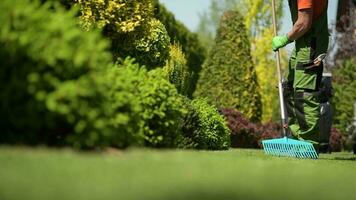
(41,173)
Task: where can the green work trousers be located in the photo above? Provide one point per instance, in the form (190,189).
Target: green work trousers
(302,103)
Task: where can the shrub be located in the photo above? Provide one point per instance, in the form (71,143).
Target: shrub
(162,110)
(204,127)
(228,78)
(121,107)
(41,49)
(103,107)
(176,69)
(270,130)
(68,90)
(246,134)
(336,140)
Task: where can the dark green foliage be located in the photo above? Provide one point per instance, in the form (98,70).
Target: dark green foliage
(204,127)
(345,96)
(192,48)
(65,3)
(228,78)
(41,50)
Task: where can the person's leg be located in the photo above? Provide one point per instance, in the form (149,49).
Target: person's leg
(307,112)
(306,104)
(289,97)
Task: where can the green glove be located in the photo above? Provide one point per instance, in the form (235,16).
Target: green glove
(279,42)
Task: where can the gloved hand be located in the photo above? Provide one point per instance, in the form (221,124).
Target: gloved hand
(279,42)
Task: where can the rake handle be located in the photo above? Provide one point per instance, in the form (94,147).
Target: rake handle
(278,64)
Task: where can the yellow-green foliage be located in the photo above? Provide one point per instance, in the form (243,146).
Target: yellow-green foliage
(58,85)
(42,51)
(148,44)
(266,74)
(176,69)
(258,21)
(131,27)
(123,16)
(193,50)
(162,110)
(228,77)
(203,127)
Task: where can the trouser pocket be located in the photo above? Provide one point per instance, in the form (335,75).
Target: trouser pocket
(306,79)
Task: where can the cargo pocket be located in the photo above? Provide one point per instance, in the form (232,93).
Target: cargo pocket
(305,78)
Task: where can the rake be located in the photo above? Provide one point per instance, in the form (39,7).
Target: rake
(286,146)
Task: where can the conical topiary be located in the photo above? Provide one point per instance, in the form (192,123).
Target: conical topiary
(228,78)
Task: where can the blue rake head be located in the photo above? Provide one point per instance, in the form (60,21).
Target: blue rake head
(289,148)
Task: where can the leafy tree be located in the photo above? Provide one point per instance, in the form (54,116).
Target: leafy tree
(131,27)
(194,51)
(176,69)
(345,96)
(148,44)
(228,78)
(258,21)
(123,16)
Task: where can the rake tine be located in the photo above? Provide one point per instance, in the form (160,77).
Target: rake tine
(289,148)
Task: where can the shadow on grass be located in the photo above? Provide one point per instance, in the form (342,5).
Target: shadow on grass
(350,157)
(345,159)
(211,195)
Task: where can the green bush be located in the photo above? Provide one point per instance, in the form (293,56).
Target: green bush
(345,96)
(176,70)
(228,78)
(162,110)
(121,107)
(41,49)
(204,127)
(59,86)
(103,107)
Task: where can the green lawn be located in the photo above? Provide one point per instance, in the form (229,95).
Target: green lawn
(37,174)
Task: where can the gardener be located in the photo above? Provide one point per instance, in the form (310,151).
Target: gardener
(311,36)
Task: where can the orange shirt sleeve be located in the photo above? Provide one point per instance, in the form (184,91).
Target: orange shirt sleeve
(305,4)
